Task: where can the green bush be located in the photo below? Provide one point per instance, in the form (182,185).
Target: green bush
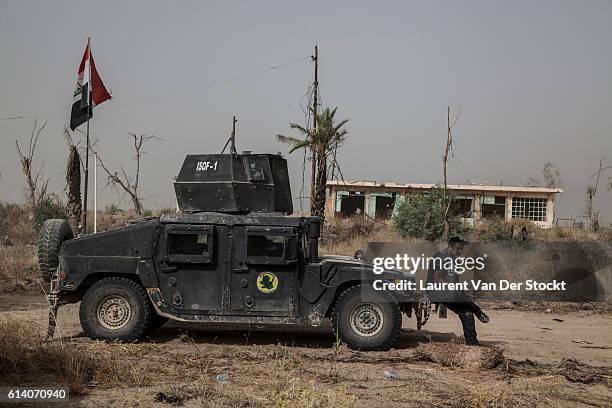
(47,209)
(422,216)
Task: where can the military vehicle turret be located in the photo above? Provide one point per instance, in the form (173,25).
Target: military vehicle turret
(231,253)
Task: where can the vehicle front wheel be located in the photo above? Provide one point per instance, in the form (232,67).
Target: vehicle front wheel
(115,309)
(366,319)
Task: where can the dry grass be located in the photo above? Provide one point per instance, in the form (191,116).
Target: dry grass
(499,229)
(113,218)
(16,226)
(344,236)
(571,234)
(205,393)
(295,393)
(284,358)
(542,390)
(26,358)
(182,371)
(18,267)
(495,396)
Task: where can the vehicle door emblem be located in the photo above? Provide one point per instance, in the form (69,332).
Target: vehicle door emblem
(267,282)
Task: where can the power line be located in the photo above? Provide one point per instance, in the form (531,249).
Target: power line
(170,94)
(185,91)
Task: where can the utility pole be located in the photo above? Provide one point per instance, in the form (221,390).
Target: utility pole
(315,102)
(233,138)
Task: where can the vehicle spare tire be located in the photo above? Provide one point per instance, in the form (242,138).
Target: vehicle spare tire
(50,238)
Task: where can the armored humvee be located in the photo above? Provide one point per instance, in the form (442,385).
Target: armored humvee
(230,254)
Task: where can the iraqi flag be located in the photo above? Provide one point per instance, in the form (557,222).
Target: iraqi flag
(89,92)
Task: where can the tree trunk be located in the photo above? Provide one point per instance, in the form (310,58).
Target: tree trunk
(136,203)
(73,181)
(321,185)
(313,181)
(449,143)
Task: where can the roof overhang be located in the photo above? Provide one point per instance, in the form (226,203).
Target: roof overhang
(455,187)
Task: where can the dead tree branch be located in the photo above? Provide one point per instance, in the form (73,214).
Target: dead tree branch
(36,184)
(448,151)
(124,181)
(449,144)
(591,213)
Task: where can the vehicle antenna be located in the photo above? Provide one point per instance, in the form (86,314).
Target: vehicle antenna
(232,139)
(233,144)
(315,102)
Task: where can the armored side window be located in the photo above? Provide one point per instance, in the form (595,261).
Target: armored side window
(189,244)
(271,245)
(256,171)
(266,245)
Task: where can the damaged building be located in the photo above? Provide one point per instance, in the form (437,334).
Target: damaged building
(471,202)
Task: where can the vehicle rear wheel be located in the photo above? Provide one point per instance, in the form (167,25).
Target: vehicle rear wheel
(366,319)
(52,233)
(115,309)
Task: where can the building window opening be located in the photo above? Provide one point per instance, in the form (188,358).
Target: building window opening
(384,206)
(493,207)
(529,208)
(461,207)
(351,204)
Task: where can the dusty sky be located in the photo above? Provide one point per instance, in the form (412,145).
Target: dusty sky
(534,80)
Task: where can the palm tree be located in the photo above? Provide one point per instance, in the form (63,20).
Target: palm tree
(323,142)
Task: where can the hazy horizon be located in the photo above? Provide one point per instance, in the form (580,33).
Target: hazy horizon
(533,79)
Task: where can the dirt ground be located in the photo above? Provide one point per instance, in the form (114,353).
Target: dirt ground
(550,359)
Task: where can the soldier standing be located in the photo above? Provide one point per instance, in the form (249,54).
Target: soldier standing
(457,301)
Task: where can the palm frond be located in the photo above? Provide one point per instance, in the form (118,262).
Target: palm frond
(300,145)
(288,139)
(299,128)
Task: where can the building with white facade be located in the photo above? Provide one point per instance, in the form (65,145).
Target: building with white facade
(471,202)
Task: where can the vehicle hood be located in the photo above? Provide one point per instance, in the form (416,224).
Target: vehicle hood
(132,241)
(351,264)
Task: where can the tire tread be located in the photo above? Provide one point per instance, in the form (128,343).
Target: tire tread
(396,320)
(145,319)
(50,238)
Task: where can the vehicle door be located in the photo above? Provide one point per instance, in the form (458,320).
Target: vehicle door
(193,266)
(265,270)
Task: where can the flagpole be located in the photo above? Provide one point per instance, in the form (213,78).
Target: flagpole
(84,229)
(95,226)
